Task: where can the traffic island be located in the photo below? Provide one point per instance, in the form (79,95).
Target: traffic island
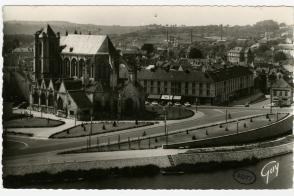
(32,122)
(85,129)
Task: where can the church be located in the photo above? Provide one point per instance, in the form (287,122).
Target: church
(79,76)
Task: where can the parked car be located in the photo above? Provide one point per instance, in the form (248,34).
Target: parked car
(154,103)
(178,104)
(187,104)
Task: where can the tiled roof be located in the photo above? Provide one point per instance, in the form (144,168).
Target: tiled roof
(80,98)
(83,44)
(236,49)
(230,72)
(181,76)
(73,84)
(281,83)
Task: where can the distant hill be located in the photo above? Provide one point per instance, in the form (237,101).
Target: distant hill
(30,27)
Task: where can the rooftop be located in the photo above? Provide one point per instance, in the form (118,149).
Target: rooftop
(80,98)
(84,44)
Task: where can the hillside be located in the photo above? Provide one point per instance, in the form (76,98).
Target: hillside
(30,27)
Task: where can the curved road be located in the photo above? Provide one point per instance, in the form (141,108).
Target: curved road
(212,114)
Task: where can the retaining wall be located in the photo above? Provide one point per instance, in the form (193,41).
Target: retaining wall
(278,128)
(258,153)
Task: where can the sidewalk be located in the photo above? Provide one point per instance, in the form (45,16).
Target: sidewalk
(45,133)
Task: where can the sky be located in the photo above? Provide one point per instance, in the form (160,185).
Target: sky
(144,15)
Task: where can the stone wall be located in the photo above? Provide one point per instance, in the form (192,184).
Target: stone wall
(259,153)
(275,129)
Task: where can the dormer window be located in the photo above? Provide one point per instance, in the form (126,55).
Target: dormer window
(70,49)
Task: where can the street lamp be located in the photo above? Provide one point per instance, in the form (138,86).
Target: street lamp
(90,134)
(165,127)
(196,100)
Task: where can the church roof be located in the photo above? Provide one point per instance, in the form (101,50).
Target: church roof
(73,84)
(80,98)
(47,30)
(84,44)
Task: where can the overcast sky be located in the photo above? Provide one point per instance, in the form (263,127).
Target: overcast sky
(144,15)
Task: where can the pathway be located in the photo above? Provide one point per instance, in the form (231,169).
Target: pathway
(45,133)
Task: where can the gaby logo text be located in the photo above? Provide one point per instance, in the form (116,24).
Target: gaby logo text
(270,171)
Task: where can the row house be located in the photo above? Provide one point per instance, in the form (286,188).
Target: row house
(212,87)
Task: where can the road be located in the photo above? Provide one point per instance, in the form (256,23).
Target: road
(211,114)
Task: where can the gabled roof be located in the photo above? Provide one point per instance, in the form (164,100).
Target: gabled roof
(73,85)
(47,30)
(236,49)
(281,83)
(80,98)
(85,44)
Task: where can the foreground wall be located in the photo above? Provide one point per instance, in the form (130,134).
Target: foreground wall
(275,129)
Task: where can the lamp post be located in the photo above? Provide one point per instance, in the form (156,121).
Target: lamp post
(165,127)
(196,100)
(90,134)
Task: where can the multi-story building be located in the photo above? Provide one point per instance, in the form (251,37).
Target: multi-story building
(239,55)
(211,87)
(281,93)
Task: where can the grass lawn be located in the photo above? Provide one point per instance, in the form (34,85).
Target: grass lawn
(173,112)
(79,131)
(31,123)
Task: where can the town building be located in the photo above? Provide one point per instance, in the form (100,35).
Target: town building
(240,55)
(79,75)
(281,93)
(211,87)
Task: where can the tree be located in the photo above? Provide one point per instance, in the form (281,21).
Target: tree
(280,56)
(266,26)
(149,48)
(195,53)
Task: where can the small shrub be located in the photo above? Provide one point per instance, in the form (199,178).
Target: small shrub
(144,134)
(67,131)
(114,124)
(136,122)
(156,140)
(193,137)
(251,119)
(245,125)
(221,126)
(229,116)
(103,127)
(267,116)
(187,131)
(227,129)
